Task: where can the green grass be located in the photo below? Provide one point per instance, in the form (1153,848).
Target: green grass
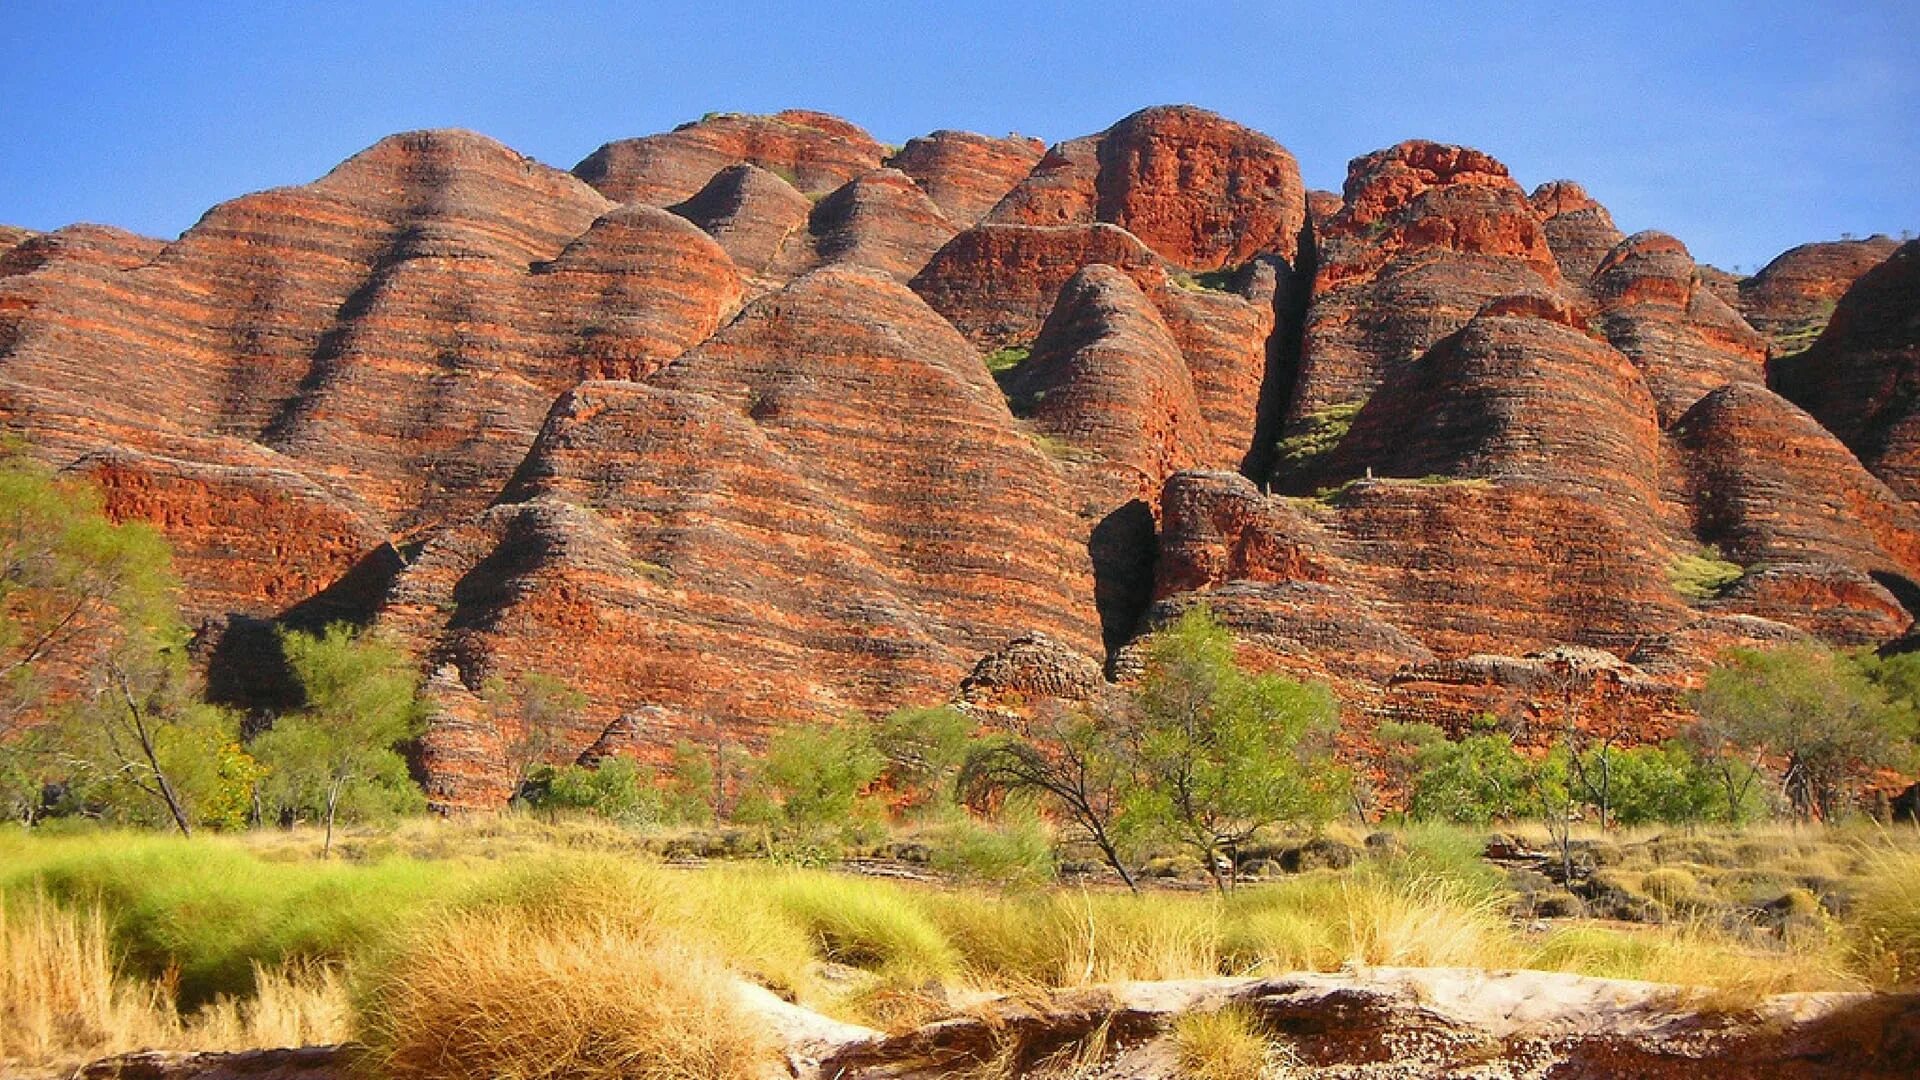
(1318,434)
(1059,449)
(1206,280)
(208,911)
(590,902)
(1702,574)
(1008,357)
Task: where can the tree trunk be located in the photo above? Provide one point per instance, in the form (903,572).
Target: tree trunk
(333,801)
(1112,856)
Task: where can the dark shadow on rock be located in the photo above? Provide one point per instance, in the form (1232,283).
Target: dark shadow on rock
(1123,548)
(354,597)
(1293,292)
(246,666)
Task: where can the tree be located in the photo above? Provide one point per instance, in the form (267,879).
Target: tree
(339,755)
(1476,781)
(816,775)
(924,750)
(1075,757)
(73,585)
(692,793)
(1662,784)
(615,788)
(1226,753)
(92,650)
(1810,708)
(540,707)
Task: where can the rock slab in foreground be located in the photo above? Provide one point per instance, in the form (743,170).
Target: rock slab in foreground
(1382,1022)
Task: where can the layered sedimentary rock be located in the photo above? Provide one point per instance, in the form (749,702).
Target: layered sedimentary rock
(1579,230)
(707,430)
(1518,425)
(1682,336)
(824,509)
(1199,190)
(814,151)
(1862,377)
(880,221)
(753,214)
(1791,299)
(391,334)
(965,174)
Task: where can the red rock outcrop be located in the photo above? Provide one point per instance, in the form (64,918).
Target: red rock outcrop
(754,215)
(825,508)
(1791,299)
(966,174)
(1428,235)
(880,221)
(1579,231)
(813,151)
(1655,309)
(687,441)
(1862,377)
(392,333)
(1199,190)
(996,283)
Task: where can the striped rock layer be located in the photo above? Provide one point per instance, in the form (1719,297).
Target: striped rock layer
(760,422)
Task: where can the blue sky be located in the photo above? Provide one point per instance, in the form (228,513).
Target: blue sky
(1742,128)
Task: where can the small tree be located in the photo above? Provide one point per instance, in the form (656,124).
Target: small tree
(1661,785)
(691,793)
(87,606)
(816,775)
(1811,708)
(924,750)
(1077,758)
(616,788)
(340,754)
(538,709)
(1226,753)
(1476,781)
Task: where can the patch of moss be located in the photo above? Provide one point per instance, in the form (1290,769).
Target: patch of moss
(1060,449)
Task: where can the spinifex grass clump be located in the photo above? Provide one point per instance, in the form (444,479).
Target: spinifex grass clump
(64,998)
(1886,936)
(517,994)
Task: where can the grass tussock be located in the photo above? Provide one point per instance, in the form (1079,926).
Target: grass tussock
(590,997)
(1226,1044)
(1885,940)
(64,998)
(115,941)
(1709,958)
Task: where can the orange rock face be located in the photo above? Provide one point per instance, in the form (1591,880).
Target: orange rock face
(1791,299)
(706,427)
(967,174)
(1200,190)
(814,151)
(1859,379)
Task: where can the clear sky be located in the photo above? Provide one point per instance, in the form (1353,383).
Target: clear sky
(1742,128)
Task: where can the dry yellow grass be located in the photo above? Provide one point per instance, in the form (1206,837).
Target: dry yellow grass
(498,993)
(63,999)
(1226,1044)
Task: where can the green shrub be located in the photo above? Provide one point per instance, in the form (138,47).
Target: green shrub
(1703,574)
(1008,357)
(1478,780)
(616,788)
(1015,849)
(814,778)
(1318,434)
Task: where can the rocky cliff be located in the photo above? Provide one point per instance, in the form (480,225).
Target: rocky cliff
(761,422)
